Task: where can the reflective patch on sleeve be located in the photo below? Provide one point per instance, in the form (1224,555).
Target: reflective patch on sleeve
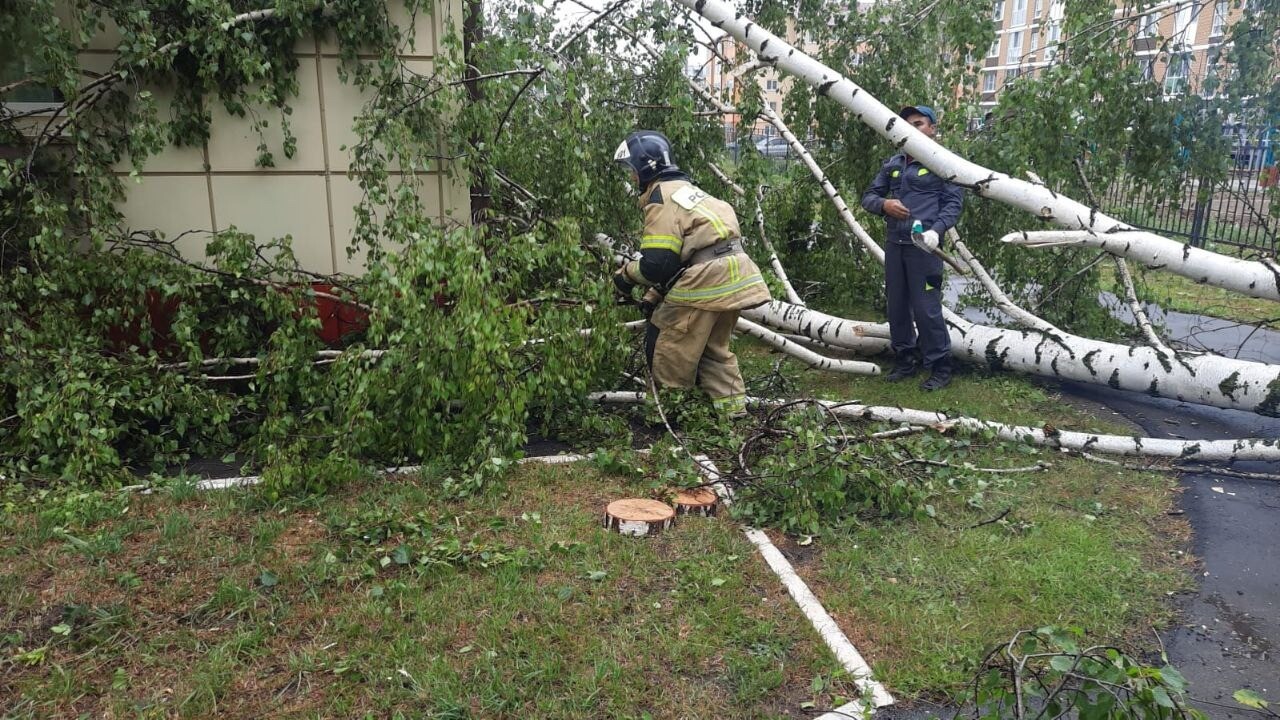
(688,197)
(662,242)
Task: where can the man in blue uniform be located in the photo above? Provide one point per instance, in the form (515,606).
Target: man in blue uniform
(906,192)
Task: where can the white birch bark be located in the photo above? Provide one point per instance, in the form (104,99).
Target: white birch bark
(1228,450)
(842,209)
(804,354)
(1139,315)
(1007,306)
(1250,278)
(859,346)
(1256,279)
(819,326)
(1205,379)
(793,297)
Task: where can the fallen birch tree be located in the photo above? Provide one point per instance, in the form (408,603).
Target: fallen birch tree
(1256,279)
(1229,450)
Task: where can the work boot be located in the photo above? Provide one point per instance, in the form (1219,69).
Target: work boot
(905,365)
(939,378)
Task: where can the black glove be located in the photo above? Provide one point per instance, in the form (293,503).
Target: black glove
(622,285)
(647,308)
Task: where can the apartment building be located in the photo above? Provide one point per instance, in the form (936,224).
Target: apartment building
(1175,40)
(720,73)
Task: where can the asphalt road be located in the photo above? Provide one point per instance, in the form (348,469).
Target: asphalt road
(1229,637)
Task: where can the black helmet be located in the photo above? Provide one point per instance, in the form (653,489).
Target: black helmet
(648,152)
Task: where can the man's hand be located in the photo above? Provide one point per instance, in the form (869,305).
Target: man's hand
(622,286)
(895,209)
(929,239)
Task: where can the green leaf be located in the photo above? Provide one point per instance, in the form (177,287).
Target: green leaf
(266,578)
(1249,698)
(1162,698)
(401,555)
(62,629)
(1062,663)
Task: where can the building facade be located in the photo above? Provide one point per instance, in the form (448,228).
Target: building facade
(1174,40)
(310,196)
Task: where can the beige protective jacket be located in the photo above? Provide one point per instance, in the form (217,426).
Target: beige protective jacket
(682,219)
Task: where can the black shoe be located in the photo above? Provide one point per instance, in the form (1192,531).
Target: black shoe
(938,379)
(904,366)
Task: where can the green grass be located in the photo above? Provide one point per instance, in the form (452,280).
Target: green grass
(1083,544)
(1175,292)
(385,600)
(217,605)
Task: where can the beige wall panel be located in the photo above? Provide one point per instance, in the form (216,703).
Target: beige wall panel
(346,194)
(457,200)
(419,30)
(343,103)
(107,38)
(233,144)
(270,206)
(170,159)
(170,205)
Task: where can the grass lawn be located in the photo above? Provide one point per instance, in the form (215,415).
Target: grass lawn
(1175,292)
(1083,544)
(386,602)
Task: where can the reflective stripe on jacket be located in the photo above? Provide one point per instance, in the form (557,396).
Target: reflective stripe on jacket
(679,220)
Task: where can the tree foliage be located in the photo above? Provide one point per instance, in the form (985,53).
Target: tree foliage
(110,337)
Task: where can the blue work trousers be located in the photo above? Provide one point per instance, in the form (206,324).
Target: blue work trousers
(913,295)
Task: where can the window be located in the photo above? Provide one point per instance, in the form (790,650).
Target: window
(1011,74)
(1035,44)
(1019,13)
(1053,35)
(1035,14)
(1175,77)
(997,10)
(995,48)
(1219,19)
(30,96)
(773,106)
(1147,25)
(1184,25)
(1014,53)
(989,81)
(771,85)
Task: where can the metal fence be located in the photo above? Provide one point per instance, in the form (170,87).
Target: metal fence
(1240,210)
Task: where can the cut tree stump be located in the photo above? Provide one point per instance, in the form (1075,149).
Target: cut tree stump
(638,517)
(696,501)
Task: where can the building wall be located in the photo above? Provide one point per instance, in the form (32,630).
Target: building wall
(1036,32)
(310,196)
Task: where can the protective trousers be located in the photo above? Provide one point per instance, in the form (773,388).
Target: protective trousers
(687,346)
(913,295)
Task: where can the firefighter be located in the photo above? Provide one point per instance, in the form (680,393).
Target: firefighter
(696,274)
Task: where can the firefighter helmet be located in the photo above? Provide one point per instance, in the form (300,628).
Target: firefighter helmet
(648,153)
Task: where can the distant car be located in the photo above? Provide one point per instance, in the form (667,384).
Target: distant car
(774,147)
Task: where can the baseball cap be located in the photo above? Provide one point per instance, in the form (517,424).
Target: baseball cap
(924,110)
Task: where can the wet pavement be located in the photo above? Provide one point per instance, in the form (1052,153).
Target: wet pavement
(1229,635)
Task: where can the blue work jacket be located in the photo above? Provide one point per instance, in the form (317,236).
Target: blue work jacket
(932,200)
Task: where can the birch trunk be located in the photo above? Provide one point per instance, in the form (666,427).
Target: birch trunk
(1256,279)
(804,354)
(1205,379)
(1230,450)
(1250,278)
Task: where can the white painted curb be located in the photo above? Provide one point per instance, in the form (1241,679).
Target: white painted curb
(850,659)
